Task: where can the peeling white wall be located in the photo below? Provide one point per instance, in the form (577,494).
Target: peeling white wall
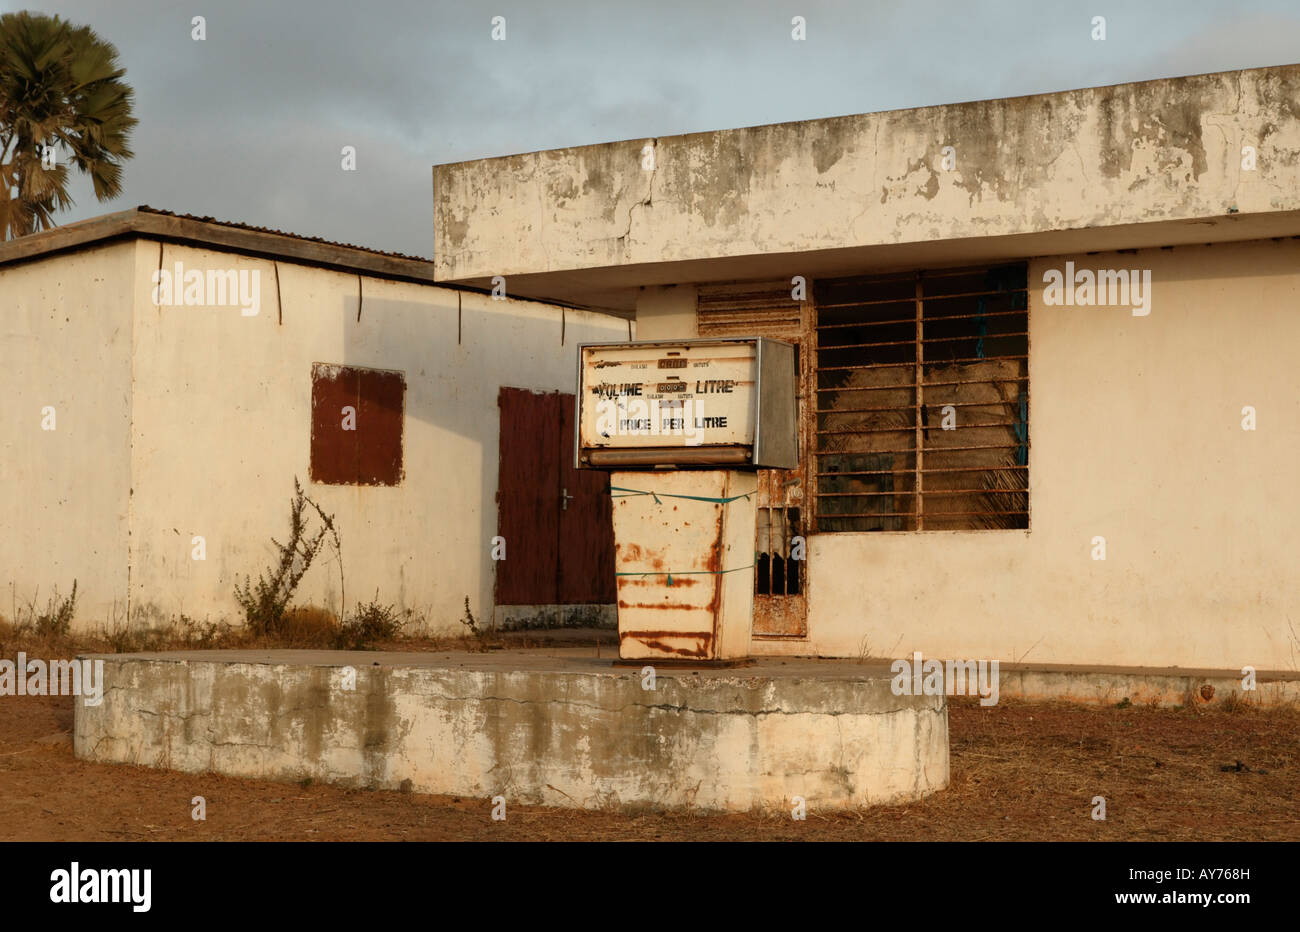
(65,342)
(206,414)
(1135,436)
(223,424)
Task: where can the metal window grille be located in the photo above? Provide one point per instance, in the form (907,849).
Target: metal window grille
(922,401)
(777,571)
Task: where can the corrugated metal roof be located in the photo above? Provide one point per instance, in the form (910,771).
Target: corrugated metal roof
(145,208)
(208,232)
(245,239)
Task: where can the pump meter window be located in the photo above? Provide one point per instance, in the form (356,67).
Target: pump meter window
(694,402)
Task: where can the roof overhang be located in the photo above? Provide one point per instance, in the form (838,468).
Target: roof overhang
(1154,163)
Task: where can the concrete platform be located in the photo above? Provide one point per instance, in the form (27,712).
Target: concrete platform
(556,727)
(1164,687)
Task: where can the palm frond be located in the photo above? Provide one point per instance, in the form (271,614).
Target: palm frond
(60,86)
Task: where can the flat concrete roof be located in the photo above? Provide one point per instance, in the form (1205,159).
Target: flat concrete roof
(1145,164)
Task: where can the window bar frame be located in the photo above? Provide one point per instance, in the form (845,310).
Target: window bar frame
(918,460)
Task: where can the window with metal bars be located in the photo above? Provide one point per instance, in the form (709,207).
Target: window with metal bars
(777,571)
(922,401)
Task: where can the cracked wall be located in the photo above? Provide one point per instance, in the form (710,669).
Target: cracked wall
(1133,153)
(562,738)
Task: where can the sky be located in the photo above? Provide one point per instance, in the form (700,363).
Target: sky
(249,124)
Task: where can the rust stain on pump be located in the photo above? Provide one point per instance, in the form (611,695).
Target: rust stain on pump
(678,593)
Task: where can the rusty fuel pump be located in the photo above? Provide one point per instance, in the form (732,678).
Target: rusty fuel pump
(682,427)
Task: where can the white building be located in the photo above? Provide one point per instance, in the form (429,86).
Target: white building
(142,431)
(976,440)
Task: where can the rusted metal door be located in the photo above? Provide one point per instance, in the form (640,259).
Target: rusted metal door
(555,519)
(780,608)
(780,547)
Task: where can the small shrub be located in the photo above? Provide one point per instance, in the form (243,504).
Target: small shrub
(124,638)
(369,624)
(264,605)
(1236,703)
(52,623)
(200,634)
(56,620)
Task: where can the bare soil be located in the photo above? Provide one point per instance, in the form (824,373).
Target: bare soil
(1020,771)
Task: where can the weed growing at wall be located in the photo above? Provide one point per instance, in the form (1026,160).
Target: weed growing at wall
(480,635)
(265,603)
(53,621)
(369,624)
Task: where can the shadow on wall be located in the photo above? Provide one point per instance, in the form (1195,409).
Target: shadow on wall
(454,356)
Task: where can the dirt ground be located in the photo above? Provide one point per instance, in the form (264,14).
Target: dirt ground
(1019,772)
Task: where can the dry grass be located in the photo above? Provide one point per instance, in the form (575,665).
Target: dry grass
(306,627)
(310,626)
(1020,771)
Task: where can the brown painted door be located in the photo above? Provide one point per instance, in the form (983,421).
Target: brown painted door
(586,548)
(555,519)
(528,515)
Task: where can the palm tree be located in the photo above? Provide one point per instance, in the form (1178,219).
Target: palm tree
(61,96)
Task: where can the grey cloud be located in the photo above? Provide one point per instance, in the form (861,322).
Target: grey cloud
(249,125)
